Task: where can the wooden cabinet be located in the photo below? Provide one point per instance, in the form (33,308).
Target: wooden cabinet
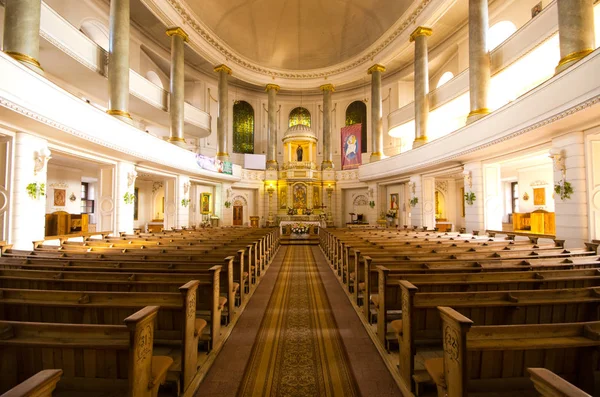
(539,221)
(60,223)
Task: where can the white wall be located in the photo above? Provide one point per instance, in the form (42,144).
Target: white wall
(69,179)
(541,176)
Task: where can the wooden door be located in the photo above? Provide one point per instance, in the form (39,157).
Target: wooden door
(238,215)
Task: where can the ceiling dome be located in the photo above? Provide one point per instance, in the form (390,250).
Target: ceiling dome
(299,132)
(299,34)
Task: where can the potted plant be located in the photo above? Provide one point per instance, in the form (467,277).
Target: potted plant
(128,198)
(470,198)
(563,189)
(185,202)
(372,204)
(227,204)
(36,190)
(414,201)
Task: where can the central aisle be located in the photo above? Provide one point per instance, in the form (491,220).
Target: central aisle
(289,341)
(298,351)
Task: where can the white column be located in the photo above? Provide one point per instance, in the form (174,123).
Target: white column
(27,219)
(492,197)
(376,113)
(183,193)
(572,214)
(415,190)
(223,116)
(327,144)
(474,214)
(177,85)
(106,199)
(575,31)
(118,61)
(124,211)
(272,90)
(22,32)
(419,36)
(479,60)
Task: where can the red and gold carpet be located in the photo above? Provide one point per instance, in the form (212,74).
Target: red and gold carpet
(298,350)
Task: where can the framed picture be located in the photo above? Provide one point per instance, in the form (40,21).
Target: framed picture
(60,197)
(539,196)
(205,203)
(536,9)
(394,201)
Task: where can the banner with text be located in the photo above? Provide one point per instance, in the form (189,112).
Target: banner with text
(351,146)
(213,164)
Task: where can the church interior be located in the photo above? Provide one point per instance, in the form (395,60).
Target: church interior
(299,198)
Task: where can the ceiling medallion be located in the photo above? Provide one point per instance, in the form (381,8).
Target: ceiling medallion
(190,20)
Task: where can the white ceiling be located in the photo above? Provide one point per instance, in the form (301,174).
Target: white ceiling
(299,34)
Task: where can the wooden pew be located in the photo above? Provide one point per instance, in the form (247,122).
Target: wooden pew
(496,358)
(548,384)
(95,359)
(41,384)
(421,322)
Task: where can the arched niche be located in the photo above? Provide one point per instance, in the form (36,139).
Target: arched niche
(153,77)
(96,31)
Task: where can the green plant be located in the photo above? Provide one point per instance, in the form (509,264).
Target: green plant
(35,190)
(185,202)
(563,189)
(470,198)
(128,198)
(372,204)
(414,201)
(227,204)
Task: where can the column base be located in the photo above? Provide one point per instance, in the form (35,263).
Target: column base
(223,156)
(121,115)
(570,59)
(178,142)
(272,165)
(375,156)
(475,115)
(26,60)
(327,165)
(420,141)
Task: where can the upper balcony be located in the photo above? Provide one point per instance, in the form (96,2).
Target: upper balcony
(67,54)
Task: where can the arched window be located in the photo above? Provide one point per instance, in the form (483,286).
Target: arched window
(300,115)
(154,79)
(500,32)
(96,31)
(243,127)
(446,77)
(357,113)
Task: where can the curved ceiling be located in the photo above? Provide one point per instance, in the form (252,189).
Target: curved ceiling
(298,34)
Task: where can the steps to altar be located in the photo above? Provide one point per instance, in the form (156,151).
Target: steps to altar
(312,239)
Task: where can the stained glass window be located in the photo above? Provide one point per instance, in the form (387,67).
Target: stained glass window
(243,127)
(357,113)
(300,115)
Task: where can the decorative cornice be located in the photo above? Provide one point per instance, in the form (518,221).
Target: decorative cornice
(178,32)
(189,19)
(420,31)
(272,87)
(327,87)
(376,68)
(222,68)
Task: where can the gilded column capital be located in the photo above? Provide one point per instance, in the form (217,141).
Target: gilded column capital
(376,68)
(222,68)
(176,31)
(272,87)
(327,87)
(420,31)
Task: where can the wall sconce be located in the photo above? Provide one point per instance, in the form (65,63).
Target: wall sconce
(40,159)
(270,190)
(186,188)
(559,160)
(468,179)
(131,177)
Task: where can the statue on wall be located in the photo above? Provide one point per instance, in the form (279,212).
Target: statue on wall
(299,153)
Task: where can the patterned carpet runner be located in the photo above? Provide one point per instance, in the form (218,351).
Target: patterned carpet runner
(298,350)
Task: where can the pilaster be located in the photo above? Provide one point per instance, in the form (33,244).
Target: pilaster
(125,182)
(474,213)
(492,197)
(183,211)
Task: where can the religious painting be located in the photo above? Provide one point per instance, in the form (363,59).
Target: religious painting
(283,197)
(299,196)
(539,196)
(205,203)
(351,146)
(316,197)
(394,201)
(536,9)
(60,197)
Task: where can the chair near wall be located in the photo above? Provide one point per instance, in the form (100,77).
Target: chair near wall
(61,222)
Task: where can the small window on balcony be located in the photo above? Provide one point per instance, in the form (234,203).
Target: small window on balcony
(300,115)
(96,31)
(243,127)
(498,33)
(446,77)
